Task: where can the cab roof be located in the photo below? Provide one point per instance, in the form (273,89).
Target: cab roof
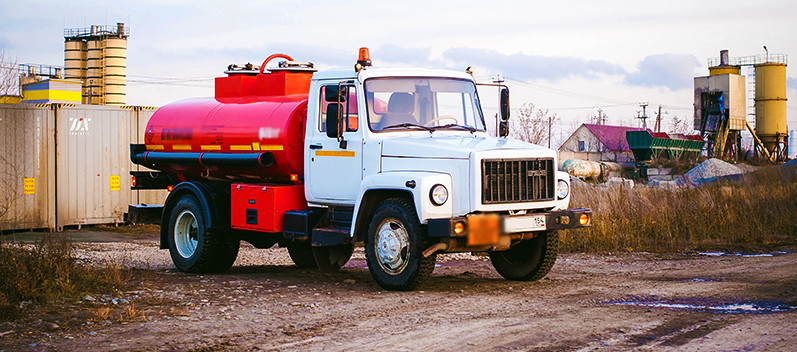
(370,72)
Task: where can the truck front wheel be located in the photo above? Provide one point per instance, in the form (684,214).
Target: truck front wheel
(193,247)
(395,246)
(528,260)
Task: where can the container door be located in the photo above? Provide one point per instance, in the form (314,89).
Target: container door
(336,172)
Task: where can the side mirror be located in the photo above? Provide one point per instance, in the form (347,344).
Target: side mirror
(503,128)
(504,104)
(333,119)
(335,93)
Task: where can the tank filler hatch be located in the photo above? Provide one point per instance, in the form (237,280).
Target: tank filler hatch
(288,78)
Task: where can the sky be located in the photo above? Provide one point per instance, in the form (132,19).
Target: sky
(570,57)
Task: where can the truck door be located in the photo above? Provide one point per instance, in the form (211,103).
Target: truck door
(336,172)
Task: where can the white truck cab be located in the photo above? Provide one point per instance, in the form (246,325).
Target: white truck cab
(405,155)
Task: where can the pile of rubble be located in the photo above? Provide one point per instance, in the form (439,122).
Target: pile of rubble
(710,169)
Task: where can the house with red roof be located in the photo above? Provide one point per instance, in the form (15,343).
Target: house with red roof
(598,143)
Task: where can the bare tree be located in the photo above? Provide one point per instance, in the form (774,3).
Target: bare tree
(9,174)
(532,125)
(9,79)
(9,186)
(680,125)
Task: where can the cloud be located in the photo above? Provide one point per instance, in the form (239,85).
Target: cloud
(791,83)
(396,54)
(526,67)
(669,70)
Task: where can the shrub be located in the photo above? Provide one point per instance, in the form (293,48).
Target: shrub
(46,272)
(757,211)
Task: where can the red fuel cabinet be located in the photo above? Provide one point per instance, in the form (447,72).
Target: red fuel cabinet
(262,207)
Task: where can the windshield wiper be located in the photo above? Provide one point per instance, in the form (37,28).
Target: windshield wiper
(409,125)
(454,125)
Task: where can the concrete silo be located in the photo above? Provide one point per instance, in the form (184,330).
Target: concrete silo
(98,56)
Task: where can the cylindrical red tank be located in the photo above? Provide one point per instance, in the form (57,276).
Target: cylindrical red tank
(237,127)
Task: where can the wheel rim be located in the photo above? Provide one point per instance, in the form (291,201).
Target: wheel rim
(186,234)
(392,246)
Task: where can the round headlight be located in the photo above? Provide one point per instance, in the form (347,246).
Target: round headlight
(562,189)
(438,195)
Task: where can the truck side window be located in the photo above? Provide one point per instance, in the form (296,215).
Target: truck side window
(349,111)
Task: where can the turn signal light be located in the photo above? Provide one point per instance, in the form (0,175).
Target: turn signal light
(294,177)
(459,228)
(583,219)
(133,181)
(169,188)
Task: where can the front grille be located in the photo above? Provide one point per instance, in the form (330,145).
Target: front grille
(517,180)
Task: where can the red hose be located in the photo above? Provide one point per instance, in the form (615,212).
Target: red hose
(273,56)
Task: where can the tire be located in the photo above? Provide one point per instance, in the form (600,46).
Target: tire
(302,254)
(528,260)
(395,246)
(193,247)
(331,259)
(228,253)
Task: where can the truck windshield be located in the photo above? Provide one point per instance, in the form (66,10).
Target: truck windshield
(422,103)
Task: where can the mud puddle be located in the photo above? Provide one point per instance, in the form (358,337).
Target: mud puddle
(703,305)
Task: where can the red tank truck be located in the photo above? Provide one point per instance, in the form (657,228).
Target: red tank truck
(396,160)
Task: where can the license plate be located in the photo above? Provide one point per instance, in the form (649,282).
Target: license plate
(524,223)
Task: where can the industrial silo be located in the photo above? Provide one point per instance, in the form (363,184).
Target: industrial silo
(770,105)
(102,52)
(75,59)
(115,71)
(95,76)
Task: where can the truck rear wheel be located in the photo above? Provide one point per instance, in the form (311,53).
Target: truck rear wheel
(395,247)
(302,254)
(228,252)
(528,260)
(193,247)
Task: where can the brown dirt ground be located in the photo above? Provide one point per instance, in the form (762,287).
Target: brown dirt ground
(465,306)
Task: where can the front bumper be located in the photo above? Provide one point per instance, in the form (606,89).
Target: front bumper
(488,229)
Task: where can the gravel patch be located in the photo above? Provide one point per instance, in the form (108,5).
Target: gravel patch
(148,255)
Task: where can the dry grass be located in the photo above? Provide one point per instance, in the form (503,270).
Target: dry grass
(130,313)
(759,211)
(101,314)
(46,272)
(178,312)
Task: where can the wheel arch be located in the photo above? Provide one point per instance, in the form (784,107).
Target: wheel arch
(212,199)
(367,208)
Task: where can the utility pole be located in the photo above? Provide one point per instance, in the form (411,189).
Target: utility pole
(644,116)
(600,117)
(550,122)
(498,80)
(658,120)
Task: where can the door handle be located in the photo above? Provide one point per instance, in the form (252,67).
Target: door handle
(316,146)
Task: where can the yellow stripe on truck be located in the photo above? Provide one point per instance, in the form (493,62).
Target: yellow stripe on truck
(345,154)
(271,147)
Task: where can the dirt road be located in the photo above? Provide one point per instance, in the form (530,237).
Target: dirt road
(684,302)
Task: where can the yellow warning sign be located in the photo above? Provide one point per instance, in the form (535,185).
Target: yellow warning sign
(116,183)
(28,185)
